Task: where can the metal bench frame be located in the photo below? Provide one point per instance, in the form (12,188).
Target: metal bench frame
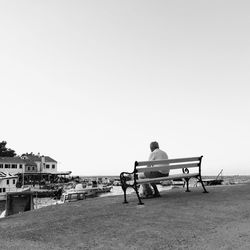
(179,163)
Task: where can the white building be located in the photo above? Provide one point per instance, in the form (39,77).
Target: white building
(45,164)
(28,164)
(12,165)
(7,184)
(32,169)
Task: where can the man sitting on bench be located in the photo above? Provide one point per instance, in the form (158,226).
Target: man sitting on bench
(156,154)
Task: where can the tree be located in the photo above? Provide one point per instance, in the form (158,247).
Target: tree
(6,152)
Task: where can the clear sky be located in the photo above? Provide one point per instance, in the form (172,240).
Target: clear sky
(92,83)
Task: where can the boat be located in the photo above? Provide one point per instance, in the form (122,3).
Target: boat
(42,193)
(94,185)
(82,191)
(72,195)
(103,189)
(75,195)
(116,182)
(79,192)
(211,182)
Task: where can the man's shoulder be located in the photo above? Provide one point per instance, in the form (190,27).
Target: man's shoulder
(161,152)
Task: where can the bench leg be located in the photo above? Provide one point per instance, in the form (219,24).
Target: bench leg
(187,183)
(138,196)
(202,184)
(125,197)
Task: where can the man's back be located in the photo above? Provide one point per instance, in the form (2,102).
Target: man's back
(159,154)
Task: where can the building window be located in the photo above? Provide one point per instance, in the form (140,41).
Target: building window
(7,165)
(14,181)
(0,190)
(8,182)
(53,166)
(28,168)
(4,190)
(13,165)
(1,165)
(20,165)
(47,165)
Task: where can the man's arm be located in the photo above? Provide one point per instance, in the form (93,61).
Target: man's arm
(151,158)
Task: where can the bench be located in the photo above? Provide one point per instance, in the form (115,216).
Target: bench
(180,168)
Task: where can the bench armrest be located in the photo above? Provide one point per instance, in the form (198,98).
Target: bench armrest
(126,177)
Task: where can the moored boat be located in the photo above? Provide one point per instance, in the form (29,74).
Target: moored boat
(212,182)
(72,195)
(104,189)
(78,193)
(216,181)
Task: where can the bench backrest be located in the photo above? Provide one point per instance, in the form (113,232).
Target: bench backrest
(179,163)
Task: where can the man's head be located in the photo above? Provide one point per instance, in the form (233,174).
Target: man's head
(154,145)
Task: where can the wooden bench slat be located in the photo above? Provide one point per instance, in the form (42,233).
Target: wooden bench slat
(177,160)
(172,177)
(169,167)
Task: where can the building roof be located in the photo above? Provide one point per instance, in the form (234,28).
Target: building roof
(49,159)
(13,160)
(16,160)
(33,157)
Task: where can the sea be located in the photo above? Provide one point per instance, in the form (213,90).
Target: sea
(117,190)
